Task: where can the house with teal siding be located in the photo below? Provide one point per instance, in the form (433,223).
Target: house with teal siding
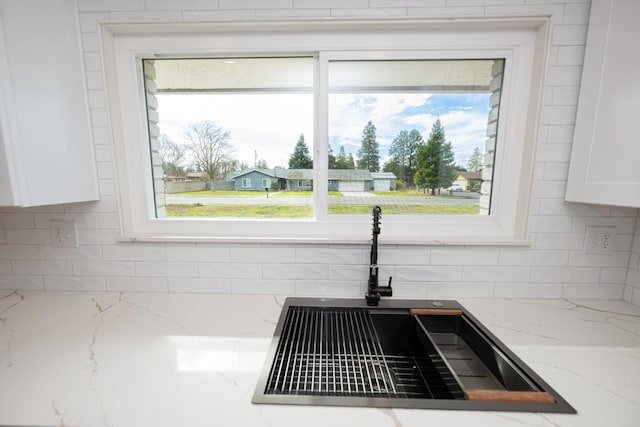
(280,179)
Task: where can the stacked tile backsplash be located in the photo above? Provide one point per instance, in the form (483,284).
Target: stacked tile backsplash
(553,266)
(632,291)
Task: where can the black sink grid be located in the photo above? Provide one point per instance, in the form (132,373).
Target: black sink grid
(344,353)
(333,351)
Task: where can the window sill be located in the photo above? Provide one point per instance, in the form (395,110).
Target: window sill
(330,240)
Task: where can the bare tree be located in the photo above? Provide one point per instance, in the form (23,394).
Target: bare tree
(173,156)
(210,147)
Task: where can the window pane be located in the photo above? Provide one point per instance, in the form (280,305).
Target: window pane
(416,137)
(223,132)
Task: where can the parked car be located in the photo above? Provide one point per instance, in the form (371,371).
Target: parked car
(455,187)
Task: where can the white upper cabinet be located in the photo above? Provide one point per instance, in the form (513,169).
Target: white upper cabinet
(46,150)
(605,159)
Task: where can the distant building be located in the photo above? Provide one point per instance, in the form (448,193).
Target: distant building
(469,179)
(302,179)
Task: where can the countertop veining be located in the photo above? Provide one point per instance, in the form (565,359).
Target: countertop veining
(152,359)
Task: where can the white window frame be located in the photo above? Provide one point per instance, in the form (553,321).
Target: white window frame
(523,42)
(266,182)
(246,182)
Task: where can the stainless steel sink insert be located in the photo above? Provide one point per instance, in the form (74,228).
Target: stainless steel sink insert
(402,353)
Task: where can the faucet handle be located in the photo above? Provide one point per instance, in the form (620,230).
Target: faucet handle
(386,291)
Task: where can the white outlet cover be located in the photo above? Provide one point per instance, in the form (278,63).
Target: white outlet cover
(64,233)
(600,240)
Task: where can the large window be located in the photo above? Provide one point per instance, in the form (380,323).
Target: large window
(425,130)
(281,133)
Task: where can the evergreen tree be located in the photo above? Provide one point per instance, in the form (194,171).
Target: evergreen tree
(447,165)
(344,161)
(403,155)
(398,152)
(369,153)
(476,161)
(435,161)
(332,158)
(414,142)
(351,162)
(300,158)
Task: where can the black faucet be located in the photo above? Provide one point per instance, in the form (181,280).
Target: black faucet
(374,292)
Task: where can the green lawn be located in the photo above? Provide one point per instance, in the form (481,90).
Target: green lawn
(303,194)
(232,193)
(405,210)
(240,211)
(219,193)
(412,193)
(297,211)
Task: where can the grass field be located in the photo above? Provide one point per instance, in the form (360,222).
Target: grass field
(394,206)
(298,211)
(219,193)
(240,211)
(232,193)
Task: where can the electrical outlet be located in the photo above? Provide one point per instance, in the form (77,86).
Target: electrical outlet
(600,240)
(64,233)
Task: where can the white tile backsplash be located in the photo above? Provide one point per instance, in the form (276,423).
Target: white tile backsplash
(427,273)
(199,285)
(528,290)
(40,267)
(600,291)
(136,284)
(167,269)
(16,252)
(268,287)
(22,283)
(5,267)
(75,283)
(134,253)
(296,271)
(632,282)
(460,290)
(230,270)
(527,257)
(330,255)
(104,268)
(181,252)
(470,257)
(553,266)
(350,288)
(30,237)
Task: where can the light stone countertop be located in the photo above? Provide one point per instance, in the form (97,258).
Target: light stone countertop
(155,359)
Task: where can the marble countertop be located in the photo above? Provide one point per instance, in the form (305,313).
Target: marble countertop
(148,359)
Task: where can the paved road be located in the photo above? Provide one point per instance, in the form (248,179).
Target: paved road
(347,198)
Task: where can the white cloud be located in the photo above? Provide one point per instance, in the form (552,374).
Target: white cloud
(271,123)
(349,114)
(267,123)
(465,129)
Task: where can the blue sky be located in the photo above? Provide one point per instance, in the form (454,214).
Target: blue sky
(270,124)
(463,116)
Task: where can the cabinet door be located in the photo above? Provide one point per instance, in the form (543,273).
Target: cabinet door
(605,158)
(47,150)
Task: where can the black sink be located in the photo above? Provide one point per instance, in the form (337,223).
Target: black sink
(402,353)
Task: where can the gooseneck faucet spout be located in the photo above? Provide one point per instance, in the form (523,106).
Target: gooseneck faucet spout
(374,292)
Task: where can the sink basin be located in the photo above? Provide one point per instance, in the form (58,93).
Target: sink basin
(402,353)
